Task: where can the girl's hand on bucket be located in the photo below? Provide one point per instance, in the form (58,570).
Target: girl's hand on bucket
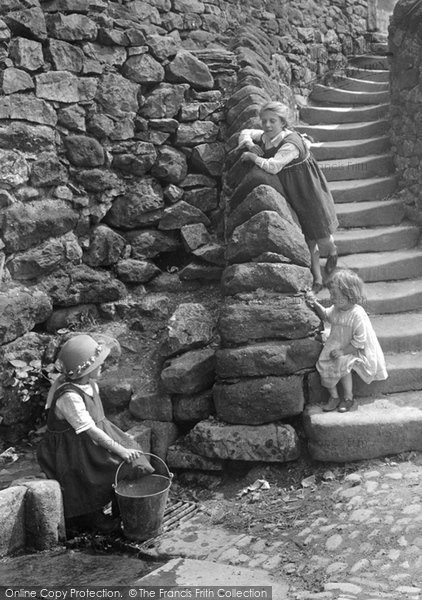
(130,455)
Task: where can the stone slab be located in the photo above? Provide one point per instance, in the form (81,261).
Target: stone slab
(12,518)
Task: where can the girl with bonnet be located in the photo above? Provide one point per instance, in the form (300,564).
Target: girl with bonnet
(82,448)
(282,159)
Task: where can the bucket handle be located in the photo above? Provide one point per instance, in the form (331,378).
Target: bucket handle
(169,475)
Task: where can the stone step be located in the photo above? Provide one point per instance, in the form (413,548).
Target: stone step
(332,95)
(318,115)
(362,190)
(380,427)
(372,62)
(399,333)
(348,131)
(360,85)
(374,165)
(368,74)
(380,47)
(350,149)
(387,297)
(385,266)
(377,239)
(370,214)
(404,375)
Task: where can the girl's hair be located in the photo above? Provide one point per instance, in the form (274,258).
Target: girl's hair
(281,110)
(349,284)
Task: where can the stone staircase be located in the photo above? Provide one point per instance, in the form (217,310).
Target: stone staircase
(350,122)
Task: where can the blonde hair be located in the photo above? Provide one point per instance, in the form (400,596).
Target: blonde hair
(349,284)
(278,108)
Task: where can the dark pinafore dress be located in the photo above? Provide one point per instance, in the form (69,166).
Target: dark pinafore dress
(306,190)
(85,470)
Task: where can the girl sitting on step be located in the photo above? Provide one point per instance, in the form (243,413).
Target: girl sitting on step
(352,344)
(282,159)
(82,449)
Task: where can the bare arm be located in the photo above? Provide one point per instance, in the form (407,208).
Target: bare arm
(127,454)
(313,303)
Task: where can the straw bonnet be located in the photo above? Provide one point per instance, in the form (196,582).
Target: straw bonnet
(81,355)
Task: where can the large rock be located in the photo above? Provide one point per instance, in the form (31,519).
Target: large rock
(196,407)
(144,69)
(198,132)
(47,170)
(82,285)
(268,232)
(276,318)
(164,101)
(105,248)
(57,86)
(25,226)
(65,56)
(142,205)
(263,443)
(263,197)
(28,23)
(190,373)
(147,244)
(46,257)
(66,318)
(24,137)
(194,236)
(26,107)
(163,434)
(117,95)
(131,270)
(21,309)
(137,163)
(26,54)
(279,277)
(206,199)
(71,28)
(258,401)
(190,326)
(16,80)
(267,358)
(209,158)
(171,165)
(83,151)
(14,169)
(181,214)
(185,67)
(211,253)
(151,405)
(98,180)
(12,511)
(180,457)
(44,515)
(162,47)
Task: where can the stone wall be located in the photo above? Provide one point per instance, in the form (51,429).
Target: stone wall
(405,42)
(116,117)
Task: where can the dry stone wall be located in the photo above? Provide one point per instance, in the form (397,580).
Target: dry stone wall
(117,118)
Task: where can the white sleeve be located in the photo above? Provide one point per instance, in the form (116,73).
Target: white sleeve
(283,157)
(250,136)
(71,407)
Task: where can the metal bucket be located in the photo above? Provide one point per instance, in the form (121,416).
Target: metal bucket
(142,500)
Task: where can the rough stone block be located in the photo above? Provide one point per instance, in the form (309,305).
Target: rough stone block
(12,518)
(151,405)
(266,443)
(163,434)
(179,457)
(115,393)
(190,373)
(260,400)
(180,214)
(190,326)
(249,277)
(44,515)
(20,310)
(193,408)
(186,68)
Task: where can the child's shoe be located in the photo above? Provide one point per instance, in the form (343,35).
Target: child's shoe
(347,405)
(332,404)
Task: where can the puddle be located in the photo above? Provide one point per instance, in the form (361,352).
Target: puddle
(66,567)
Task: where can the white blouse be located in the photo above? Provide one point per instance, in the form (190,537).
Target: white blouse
(283,157)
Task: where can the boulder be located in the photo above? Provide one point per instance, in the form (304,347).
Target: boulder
(190,373)
(277,277)
(173,193)
(211,253)
(180,457)
(194,236)
(26,107)
(16,80)
(14,169)
(209,158)
(268,232)
(105,248)
(206,199)
(26,54)
(24,137)
(260,400)
(171,165)
(20,310)
(29,23)
(44,514)
(262,443)
(47,171)
(191,326)
(144,69)
(277,318)
(164,101)
(72,118)
(82,285)
(57,86)
(162,47)
(193,408)
(137,163)
(28,225)
(180,214)
(150,243)
(65,56)
(151,405)
(117,95)
(68,318)
(132,270)
(198,132)
(71,28)
(142,205)
(12,513)
(97,180)
(83,151)
(105,56)
(186,68)
(267,358)
(44,258)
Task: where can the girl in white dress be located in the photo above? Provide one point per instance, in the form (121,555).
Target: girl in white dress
(352,344)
